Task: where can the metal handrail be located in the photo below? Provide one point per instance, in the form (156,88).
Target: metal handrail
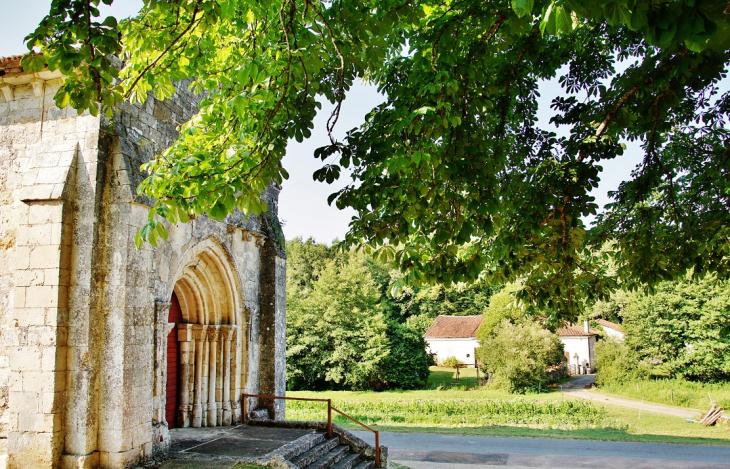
(329,417)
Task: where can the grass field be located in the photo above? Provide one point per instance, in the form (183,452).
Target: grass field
(489,412)
(676,392)
(446,378)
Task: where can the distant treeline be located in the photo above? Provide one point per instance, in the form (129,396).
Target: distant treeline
(344,331)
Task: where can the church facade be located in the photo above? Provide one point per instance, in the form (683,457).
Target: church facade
(103,347)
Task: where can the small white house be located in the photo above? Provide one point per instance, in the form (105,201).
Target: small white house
(611,329)
(580,345)
(453,336)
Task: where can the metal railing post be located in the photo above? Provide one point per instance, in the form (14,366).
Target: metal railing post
(377,448)
(329,418)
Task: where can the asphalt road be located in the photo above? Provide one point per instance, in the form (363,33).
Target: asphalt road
(431,451)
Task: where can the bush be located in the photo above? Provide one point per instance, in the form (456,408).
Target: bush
(453,362)
(519,356)
(615,362)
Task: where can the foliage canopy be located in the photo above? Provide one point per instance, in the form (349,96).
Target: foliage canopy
(682,331)
(342,332)
(453,179)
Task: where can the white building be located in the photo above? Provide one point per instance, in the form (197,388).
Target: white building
(611,329)
(453,336)
(580,345)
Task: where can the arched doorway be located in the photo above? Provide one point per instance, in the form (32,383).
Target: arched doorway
(172,390)
(210,348)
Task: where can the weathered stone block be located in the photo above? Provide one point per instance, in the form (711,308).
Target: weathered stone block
(45,257)
(31,317)
(27,278)
(42,381)
(22,258)
(25,358)
(36,192)
(40,213)
(29,449)
(42,296)
(19,294)
(43,335)
(21,402)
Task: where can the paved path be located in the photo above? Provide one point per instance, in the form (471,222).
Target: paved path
(432,451)
(577,388)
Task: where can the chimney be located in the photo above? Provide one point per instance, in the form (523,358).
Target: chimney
(585,326)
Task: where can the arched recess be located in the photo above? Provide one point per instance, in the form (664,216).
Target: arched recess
(211,345)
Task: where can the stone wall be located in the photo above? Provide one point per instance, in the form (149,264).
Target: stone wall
(83,313)
(43,151)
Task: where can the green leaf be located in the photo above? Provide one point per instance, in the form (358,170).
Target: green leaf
(522,7)
(62,99)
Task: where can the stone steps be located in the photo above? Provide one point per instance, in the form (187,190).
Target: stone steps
(315,453)
(323,453)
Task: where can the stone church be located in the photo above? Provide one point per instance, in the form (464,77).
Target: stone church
(104,348)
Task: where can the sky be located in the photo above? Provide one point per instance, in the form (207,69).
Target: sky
(303,205)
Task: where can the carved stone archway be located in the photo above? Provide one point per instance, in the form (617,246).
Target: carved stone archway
(211,346)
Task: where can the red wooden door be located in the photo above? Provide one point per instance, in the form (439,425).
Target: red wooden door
(173,357)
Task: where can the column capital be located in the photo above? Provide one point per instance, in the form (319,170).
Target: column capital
(229,332)
(213,333)
(184,332)
(162,313)
(199,332)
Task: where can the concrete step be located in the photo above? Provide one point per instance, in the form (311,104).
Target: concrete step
(366,465)
(315,453)
(331,458)
(303,444)
(348,462)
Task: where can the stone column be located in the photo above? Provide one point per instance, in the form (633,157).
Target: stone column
(185,336)
(228,333)
(199,332)
(238,370)
(213,333)
(272,330)
(162,327)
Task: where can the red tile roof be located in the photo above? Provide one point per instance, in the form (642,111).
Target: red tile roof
(10,62)
(609,324)
(10,58)
(574,331)
(454,327)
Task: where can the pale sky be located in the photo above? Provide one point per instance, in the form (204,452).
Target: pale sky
(303,202)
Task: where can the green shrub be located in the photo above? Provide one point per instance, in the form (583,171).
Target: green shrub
(519,355)
(615,362)
(453,362)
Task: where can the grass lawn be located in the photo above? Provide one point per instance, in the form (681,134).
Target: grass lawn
(676,392)
(446,377)
(489,412)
